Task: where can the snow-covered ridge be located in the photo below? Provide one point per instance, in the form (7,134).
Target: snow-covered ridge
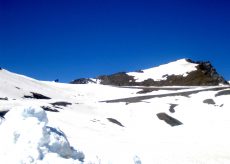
(15,85)
(179,67)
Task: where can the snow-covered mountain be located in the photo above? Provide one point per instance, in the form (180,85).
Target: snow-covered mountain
(49,122)
(183,72)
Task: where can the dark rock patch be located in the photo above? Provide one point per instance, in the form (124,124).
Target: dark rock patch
(5,98)
(172,106)
(146,90)
(82,81)
(17,88)
(47,108)
(165,76)
(139,71)
(3,113)
(115,121)
(58,107)
(209,101)
(168,119)
(141,98)
(36,96)
(61,103)
(223,93)
(151,89)
(118,79)
(148,82)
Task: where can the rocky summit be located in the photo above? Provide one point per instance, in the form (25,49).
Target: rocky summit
(184,72)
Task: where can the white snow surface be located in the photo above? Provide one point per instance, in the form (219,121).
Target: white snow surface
(179,67)
(26,136)
(82,133)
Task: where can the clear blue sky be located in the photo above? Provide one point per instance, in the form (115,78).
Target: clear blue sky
(68,39)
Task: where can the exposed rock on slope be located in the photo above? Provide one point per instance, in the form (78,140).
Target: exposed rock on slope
(82,81)
(37,96)
(168,119)
(120,79)
(184,72)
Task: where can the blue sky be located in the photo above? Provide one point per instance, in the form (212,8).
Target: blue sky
(68,39)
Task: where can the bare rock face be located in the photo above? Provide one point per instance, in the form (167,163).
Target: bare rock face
(224,92)
(209,101)
(82,81)
(115,121)
(36,96)
(168,119)
(204,75)
(2,113)
(120,79)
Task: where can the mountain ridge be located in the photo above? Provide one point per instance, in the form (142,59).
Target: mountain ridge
(183,72)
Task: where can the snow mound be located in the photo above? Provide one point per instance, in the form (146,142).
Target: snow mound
(27,138)
(179,67)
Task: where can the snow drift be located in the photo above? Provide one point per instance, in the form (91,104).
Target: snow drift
(27,138)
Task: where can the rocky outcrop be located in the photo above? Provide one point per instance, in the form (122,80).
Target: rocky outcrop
(3,98)
(168,119)
(2,113)
(61,103)
(120,79)
(82,81)
(172,108)
(204,75)
(209,101)
(115,121)
(36,96)
(223,93)
(49,109)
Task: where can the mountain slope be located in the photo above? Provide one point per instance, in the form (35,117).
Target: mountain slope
(180,67)
(184,72)
(114,125)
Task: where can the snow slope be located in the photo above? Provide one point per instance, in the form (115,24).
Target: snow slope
(16,86)
(179,67)
(127,131)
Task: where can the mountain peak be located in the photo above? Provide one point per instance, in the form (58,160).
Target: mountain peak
(182,72)
(178,67)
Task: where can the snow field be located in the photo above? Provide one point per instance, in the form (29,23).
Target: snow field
(28,134)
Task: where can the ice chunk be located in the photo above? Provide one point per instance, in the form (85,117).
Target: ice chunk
(26,137)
